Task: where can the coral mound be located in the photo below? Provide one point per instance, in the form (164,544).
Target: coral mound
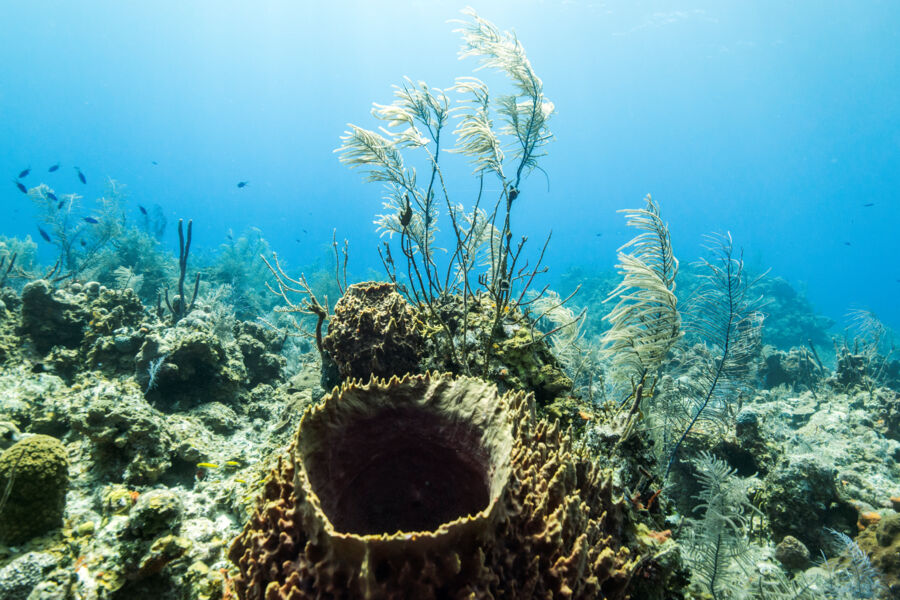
(374,331)
(36,471)
(432,487)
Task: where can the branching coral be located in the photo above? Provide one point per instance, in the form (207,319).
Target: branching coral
(725,315)
(79,239)
(645,323)
(416,121)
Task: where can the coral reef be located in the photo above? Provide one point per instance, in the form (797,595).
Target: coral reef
(794,368)
(790,318)
(260,348)
(792,553)
(374,331)
(36,473)
(197,366)
(881,542)
(433,487)
(81,323)
(24,574)
(9,341)
(801,498)
(52,318)
(516,357)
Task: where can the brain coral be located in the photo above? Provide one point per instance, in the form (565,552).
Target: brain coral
(39,470)
(374,331)
(432,487)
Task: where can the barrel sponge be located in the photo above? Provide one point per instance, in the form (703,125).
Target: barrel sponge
(432,487)
(374,331)
(39,470)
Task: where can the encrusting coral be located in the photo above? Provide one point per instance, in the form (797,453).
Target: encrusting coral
(431,486)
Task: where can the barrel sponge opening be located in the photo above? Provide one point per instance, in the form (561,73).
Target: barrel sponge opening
(432,486)
(388,459)
(402,469)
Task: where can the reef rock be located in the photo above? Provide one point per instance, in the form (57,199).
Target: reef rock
(882,544)
(197,366)
(433,487)
(52,317)
(801,499)
(374,331)
(792,553)
(81,324)
(513,354)
(260,346)
(795,369)
(24,574)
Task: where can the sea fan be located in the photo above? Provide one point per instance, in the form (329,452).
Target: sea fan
(856,578)
(525,113)
(724,314)
(475,133)
(125,277)
(717,545)
(644,322)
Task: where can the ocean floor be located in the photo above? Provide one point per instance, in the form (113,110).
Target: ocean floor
(135,448)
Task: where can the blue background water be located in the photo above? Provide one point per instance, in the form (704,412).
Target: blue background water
(777,121)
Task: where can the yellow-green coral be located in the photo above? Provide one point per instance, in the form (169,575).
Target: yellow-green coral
(35,471)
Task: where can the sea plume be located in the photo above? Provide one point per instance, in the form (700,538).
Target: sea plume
(645,322)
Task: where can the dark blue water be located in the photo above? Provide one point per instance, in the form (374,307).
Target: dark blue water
(777,121)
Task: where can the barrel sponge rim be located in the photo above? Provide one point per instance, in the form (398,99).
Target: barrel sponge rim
(551,522)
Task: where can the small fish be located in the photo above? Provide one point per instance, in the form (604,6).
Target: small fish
(83,243)
(81,176)
(599,235)
(91,220)
(24,173)
(298,240)
(206,465)
(304,231)
(21,187)
(53,168)
(142,209)
(44,235)
(242,184)
(239,480)
(52,196)
(232,463)
(405,215)
(154,162)
(868,204)
(846,243)
(60,205)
